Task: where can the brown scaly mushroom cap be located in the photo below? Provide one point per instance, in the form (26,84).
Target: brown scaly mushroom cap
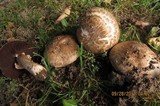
(7,57)
(99,30)
(62,51)
(134,56)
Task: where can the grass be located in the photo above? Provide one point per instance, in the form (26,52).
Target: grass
(130,33)
(11,89)
(82,86)
(85,81)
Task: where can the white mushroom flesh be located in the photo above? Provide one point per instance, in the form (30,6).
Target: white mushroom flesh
(35,69)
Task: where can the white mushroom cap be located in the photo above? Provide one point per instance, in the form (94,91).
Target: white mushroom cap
(99,30)
(134,56)
(62,51)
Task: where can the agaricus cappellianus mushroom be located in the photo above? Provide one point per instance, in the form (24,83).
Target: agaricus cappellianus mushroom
(138,63)
(134,56)
(61,51)
(98,31)
(13,52)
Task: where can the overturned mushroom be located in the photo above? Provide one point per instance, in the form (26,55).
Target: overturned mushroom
(8,57)
(99,30)
(62,51)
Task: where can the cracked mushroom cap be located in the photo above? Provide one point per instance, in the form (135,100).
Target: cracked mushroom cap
(62,51)
(8,60)
(99,30)
(134,56)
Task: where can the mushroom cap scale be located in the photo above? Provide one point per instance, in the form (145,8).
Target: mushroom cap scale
(132,56)
(62,51)
(98,31)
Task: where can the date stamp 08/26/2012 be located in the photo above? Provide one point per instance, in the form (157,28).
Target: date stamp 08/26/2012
(130,93)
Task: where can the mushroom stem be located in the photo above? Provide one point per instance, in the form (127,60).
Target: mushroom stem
(35,69)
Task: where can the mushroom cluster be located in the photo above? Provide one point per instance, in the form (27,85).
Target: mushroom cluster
(99,30)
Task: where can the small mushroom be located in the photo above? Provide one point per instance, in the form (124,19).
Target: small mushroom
(61,51)
(99,30)
(134,56)
(17,51)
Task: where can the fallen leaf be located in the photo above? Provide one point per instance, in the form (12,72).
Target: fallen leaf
(64,23)
(14,104)
(108,1)
(10,25)
(155,43)
(154,32)
(65,13)
(8,33)
(141,23)
(69,102)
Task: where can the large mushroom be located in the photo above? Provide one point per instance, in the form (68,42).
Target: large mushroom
(140,67)
(132,56)
(99,30)
(61,51)
(16,55)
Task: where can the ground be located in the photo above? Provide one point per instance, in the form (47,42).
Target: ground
(85,82)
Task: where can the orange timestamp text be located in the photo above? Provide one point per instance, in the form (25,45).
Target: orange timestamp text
(129,93)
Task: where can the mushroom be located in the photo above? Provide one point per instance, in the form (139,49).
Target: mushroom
(139,66)
(99,30)
(61,51)
(133,56)
(13,51)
